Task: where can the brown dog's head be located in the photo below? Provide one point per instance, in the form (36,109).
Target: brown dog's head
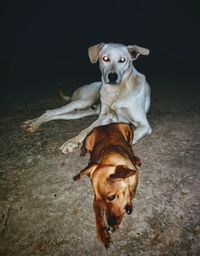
(114,188)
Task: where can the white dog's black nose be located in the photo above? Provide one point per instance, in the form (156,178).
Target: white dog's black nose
(112,77)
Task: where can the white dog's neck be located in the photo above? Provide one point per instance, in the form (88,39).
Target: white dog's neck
(110,92)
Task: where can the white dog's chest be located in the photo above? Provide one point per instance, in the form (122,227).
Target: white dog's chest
(115,97)
(112,95)
(116,102)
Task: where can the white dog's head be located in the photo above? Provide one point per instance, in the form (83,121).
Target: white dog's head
(115,60)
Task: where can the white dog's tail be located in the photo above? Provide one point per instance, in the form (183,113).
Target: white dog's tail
(63,96)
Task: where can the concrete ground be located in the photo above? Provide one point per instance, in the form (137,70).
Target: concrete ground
(44,212)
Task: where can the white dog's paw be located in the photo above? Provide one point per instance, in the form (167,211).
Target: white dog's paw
(69,146)
(30,126)
(140,132)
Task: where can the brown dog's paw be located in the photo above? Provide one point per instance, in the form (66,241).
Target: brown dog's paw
(104,236)
(77,177)
(83,151)
(137,161)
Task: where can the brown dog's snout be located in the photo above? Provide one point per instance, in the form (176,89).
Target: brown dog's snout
(128,209)
(111,220)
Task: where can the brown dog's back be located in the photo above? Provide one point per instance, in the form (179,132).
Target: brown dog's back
(109,138)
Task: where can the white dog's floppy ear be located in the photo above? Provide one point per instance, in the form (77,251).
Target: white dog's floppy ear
(135,51)
(93,52)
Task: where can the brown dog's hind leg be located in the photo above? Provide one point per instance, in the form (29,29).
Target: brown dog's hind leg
(137,161)
(83,150)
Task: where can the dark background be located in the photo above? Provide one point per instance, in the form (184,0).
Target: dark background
(46,42)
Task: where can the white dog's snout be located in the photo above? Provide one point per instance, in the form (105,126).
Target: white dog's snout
(112,77)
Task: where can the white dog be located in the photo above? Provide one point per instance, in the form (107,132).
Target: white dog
(123,95)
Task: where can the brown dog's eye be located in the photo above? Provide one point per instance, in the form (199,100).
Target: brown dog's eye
(111,198)
(122,60)
(106,58)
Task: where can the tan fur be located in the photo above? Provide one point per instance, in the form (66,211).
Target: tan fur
(136,50)
(93,52)
(113,173)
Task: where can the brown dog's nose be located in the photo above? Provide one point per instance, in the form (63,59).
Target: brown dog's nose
(128,209)
(111,221)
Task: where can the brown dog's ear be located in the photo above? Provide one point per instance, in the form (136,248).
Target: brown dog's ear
(86,171)
(122,172)
(93,52)
(127,132)
(135,51)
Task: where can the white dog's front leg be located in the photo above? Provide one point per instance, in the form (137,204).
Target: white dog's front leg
(34,124)
(71,144)
(140,132)
(142,126)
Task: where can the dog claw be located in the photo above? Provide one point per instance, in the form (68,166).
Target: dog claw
(28,129)
(105,237)
(68,146)
(29,126)
(113,229)
(107,244)
(137,161)
(77,177)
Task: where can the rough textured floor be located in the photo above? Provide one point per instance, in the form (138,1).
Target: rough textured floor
(44,212)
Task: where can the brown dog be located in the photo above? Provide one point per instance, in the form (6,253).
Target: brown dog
(113,174)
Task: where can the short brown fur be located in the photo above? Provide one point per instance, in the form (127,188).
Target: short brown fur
(113,173)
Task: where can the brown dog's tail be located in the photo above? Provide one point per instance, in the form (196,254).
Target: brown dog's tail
(63,96)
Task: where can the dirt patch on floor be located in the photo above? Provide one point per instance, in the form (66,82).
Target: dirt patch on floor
(44,212)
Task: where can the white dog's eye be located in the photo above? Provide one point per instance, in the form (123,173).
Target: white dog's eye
(106,58)
(122,60)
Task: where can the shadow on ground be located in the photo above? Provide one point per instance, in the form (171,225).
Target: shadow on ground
(44,212)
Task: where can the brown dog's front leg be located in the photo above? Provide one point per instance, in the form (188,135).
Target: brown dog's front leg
(104,236)
(86,171)
(102,229)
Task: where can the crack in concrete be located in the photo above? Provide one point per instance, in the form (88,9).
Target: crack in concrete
(5,219)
